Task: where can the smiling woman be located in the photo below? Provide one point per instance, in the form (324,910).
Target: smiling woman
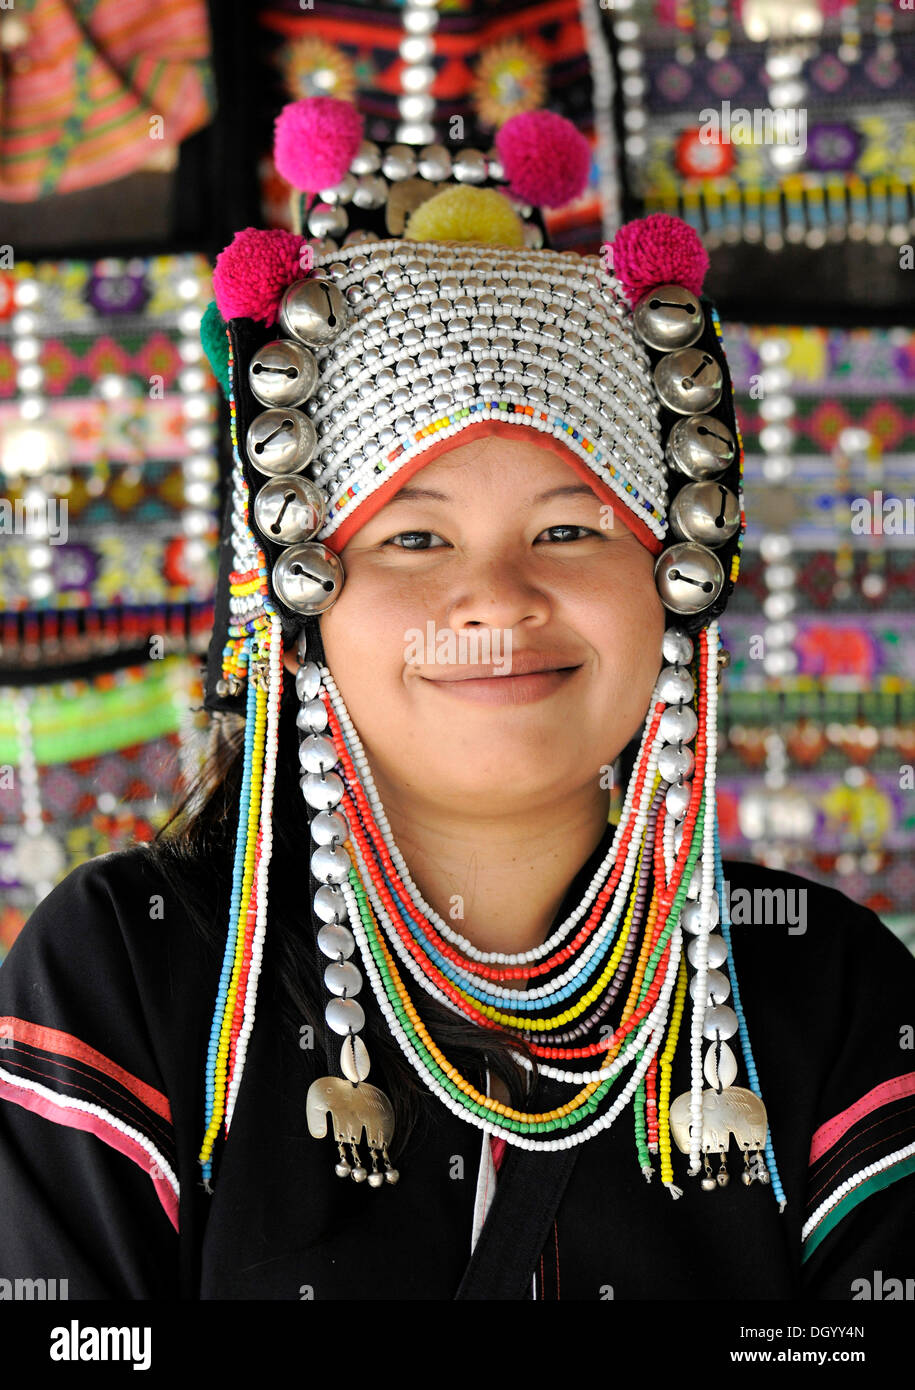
(465,1037)
(496,541)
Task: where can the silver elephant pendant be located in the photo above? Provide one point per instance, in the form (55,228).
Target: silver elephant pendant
(731,1111)
(353,1108)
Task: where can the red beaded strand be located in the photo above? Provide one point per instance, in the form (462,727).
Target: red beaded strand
(477,968)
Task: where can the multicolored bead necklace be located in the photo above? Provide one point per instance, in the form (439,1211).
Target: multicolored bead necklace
(368,901)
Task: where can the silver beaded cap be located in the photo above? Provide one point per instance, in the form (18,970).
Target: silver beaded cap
(442,335)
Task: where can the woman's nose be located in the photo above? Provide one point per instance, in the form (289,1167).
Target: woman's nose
(496,591)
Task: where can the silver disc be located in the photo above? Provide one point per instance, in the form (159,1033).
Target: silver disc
(720,1022)
(343,978)
(307,681)
(334,939)
(317,754)
(718,987)
(717,951)
(331,864)
(345,1015)
(323,793)
(328,826)
(677,647)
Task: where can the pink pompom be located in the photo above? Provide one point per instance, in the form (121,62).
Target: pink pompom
(545,158)
(658,250)
(315,141)
(254,270)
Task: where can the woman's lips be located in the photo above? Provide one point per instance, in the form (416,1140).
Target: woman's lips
(505,690)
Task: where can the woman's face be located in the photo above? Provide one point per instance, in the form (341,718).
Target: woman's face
(496,542)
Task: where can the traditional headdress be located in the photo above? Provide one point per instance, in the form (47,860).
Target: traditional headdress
(417,307)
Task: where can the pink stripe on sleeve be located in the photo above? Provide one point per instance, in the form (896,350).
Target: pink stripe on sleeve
(830,1132)
(108,1133)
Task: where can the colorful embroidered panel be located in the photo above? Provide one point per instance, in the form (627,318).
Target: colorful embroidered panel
(755,134)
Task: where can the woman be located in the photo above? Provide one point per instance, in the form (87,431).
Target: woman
(538,1062)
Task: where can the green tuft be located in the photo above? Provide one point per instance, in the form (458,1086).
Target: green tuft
(216,344)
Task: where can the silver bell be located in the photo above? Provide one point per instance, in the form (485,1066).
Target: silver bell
(330,220)
(289,510)
(701,447)
(469,166)
(280,441)
(705,512)
(668,317)
(434,163)
(314,311)
(282,373)
(398,162)
(366,159)
(688,381)
(308,578)
(371,191)
(689,577)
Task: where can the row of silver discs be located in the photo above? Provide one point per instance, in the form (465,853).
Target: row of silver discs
(322,789)
(280,443)
(678,726)
(704,514)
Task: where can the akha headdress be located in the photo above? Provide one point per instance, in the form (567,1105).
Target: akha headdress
(417,307)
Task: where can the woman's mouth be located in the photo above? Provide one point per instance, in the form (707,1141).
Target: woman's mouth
(517,688)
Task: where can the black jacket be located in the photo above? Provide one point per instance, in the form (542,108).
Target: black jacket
(106,999)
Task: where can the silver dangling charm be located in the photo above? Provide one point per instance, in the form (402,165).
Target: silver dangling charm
(731,1111)
(355,1109)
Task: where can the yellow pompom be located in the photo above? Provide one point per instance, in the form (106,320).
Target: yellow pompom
(479,215)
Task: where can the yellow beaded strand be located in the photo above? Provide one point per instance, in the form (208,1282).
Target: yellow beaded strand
(257,774)
(667,1057)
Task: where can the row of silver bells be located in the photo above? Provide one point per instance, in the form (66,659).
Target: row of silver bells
(704,514)
(280,442)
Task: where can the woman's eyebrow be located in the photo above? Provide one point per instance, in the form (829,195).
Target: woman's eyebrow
(411,494)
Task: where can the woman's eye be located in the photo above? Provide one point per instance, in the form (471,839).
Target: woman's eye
(567,533)
(414,540)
